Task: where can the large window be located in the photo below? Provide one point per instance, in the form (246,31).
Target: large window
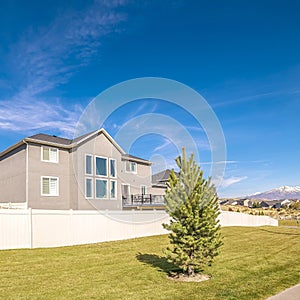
(49,186)
(101,166)
(88,164)
(130,167)
(49,154)
(89,188)
(101,177)
(113,189)
(112,168)
(101,188)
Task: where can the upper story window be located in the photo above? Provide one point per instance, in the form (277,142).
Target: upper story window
(101,166)
(112,168)
(49,186)
(130,167)
(88,164)
(50,154)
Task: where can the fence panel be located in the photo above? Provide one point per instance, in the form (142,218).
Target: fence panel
(53,228)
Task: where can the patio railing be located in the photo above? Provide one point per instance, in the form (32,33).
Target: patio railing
(143,199)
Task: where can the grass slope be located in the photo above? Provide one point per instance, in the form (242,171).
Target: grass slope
(254,264)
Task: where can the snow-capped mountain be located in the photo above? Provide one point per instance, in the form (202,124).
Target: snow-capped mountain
(283,192)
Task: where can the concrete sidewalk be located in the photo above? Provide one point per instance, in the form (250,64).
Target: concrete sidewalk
(292,293)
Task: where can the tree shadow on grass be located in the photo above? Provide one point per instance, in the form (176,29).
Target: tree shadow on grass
(160,263)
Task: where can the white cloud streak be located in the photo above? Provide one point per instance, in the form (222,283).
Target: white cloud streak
(45,58)
(226,182)
(23,116)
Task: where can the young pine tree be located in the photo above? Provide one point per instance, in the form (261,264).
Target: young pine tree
(192,204)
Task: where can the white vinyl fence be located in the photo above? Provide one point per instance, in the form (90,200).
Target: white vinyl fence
(53,228)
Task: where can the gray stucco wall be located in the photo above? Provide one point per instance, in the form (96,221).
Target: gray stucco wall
(70,171)
(13,176)
(38,168)
(101,146)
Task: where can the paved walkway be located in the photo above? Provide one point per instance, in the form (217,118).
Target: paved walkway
(292,293)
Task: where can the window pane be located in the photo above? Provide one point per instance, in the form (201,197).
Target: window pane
(112,168)
(53,154)
(133,167)
(88,188)
(53,186)
(130,167)
(46,153)
(50,154)
(46,186)
(143,190)
(88,164)
(127,166)
(112,189)
(101,166)
(101,188)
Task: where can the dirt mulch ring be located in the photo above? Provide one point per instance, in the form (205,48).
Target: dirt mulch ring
(185,278)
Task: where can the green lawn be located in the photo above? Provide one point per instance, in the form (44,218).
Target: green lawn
(289,222)
(255,263)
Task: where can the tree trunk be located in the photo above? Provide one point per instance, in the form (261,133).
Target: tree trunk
(190,271)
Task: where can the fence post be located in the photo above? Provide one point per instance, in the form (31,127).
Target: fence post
(30,228)
(71,237)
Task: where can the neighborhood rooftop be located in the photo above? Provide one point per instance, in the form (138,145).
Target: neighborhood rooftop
(47,139)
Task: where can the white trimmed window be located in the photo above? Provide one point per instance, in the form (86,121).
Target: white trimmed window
(143,189)
(101,188)
(130,167)
(88,188)
(49,186)
(88,164)
(112,168)
(113,189)
(101,166)
(49,154)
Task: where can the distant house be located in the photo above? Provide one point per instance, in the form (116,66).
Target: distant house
(286,202)
(91,171)
(270,204)
(159,181)
(224,202)
(248,203)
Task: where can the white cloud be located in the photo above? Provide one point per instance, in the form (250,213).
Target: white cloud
(45,58)
(226,182)
(220,162)
(162,146)
(23,116)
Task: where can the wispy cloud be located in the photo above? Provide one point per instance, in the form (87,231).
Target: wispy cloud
(166,143)
(226,182)
(220,162)
(45,58)
(24,116)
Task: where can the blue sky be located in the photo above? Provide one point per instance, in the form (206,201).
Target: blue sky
(242,57)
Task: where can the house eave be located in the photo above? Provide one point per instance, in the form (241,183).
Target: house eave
(11,148)
(58,145)
(137,160)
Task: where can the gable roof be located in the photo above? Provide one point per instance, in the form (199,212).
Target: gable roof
(52,140)
(161,177)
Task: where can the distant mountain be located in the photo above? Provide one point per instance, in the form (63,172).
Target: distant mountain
(283,192)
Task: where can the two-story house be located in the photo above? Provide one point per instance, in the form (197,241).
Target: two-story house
(88,172)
